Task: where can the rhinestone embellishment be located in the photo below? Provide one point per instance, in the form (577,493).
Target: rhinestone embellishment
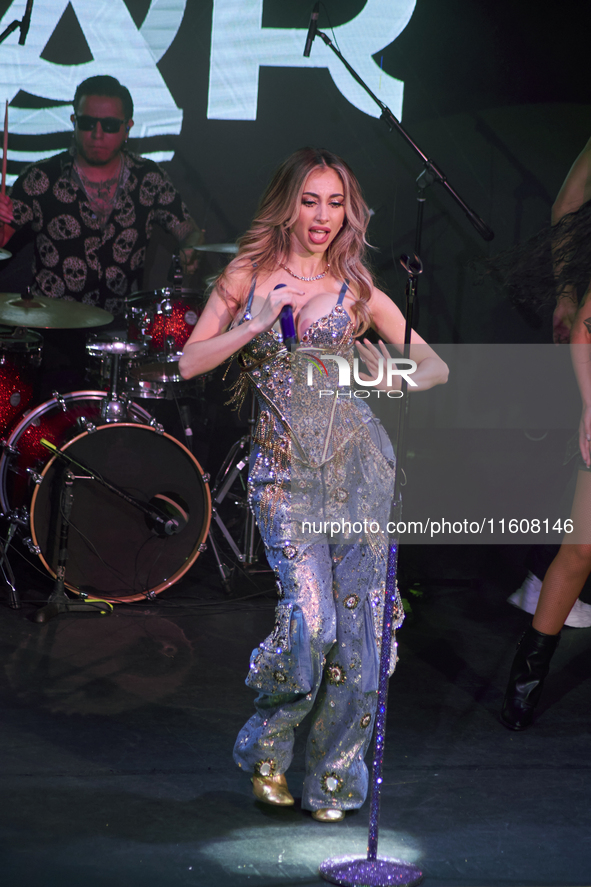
(289,551)
(351,601)
(279,677)
(365,721)
(265,768)
(307,279)
(336,674)
(331,783)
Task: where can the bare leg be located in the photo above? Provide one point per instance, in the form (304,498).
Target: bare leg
(568,571)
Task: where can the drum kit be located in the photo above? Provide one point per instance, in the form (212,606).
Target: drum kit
(116,509)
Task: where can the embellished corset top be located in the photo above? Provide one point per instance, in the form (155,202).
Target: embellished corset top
(298,390)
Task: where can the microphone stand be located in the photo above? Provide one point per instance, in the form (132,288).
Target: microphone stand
(168,525)
(431,172)
(58,601)
(24,25)
(350,871)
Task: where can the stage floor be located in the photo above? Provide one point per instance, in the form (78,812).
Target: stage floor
(117,735)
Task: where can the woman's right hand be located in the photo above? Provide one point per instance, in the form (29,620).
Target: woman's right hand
(275,301)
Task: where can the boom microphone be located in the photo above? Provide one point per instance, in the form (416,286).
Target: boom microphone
(24,25)
(312,28)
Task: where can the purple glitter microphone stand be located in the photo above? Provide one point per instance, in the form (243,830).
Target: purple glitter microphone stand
(374,871)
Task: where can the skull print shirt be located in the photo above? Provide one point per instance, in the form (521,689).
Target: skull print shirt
(76,257)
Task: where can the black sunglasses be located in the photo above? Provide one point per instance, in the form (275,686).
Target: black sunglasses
(109,125)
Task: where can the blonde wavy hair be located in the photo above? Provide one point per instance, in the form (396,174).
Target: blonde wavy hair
(266,244)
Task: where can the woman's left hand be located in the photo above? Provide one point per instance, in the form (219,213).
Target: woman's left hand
(370,355)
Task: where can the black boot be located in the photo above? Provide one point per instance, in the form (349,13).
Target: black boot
(530,667)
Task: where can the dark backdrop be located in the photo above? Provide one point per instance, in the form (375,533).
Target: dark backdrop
(494,93)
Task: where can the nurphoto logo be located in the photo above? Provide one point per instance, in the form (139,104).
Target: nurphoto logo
(387,368)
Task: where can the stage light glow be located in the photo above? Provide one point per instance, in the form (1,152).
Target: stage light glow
(293,851)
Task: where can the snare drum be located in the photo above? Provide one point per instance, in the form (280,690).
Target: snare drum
(114,550)
(20,358)
(103,347)
(164,319)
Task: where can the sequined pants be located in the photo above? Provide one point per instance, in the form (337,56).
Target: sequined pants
(321,658)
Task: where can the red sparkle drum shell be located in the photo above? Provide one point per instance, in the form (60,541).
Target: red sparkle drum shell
(165,319)
(58,420)
(20,359)
(113,551)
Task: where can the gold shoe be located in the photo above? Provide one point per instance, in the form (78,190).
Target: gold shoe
(328,814)
(272,790)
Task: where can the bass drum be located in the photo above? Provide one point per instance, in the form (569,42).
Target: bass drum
(114,550)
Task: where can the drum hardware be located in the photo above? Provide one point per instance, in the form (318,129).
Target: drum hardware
(9,451)
(186,417)
(114,406)
(60,401)
(176,273)
(17,518)
(30,545)
(14,600)
(233,467)
(88,426)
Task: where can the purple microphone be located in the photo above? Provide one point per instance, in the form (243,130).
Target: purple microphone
(287,324)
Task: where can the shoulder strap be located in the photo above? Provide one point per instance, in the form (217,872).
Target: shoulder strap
(343,291)
(251,292)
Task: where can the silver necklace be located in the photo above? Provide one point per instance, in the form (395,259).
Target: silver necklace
(307,279)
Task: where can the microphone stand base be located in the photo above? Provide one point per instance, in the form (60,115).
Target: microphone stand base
(355,871)
(58,604)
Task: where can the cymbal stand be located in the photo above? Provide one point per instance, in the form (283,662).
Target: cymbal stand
(234,464)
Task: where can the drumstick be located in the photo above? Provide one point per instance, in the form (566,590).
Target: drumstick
(5,150)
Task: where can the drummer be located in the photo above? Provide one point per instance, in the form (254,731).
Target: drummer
(91,209)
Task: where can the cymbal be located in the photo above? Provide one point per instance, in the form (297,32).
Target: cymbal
(4,254)
(46,313)
(231,248)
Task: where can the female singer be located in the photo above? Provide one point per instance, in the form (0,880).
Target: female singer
(321,457)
